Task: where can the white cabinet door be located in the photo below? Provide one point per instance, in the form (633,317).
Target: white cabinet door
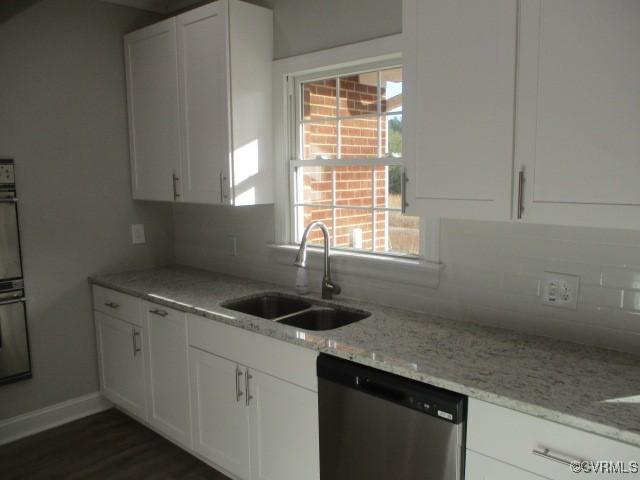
(167,359)
(220,416)
(459,107)
(578,111)
(284,430)
(152,90)
(122,370)
(479,467)
(204,78)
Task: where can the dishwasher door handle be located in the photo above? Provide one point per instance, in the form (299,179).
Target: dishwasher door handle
(369,386)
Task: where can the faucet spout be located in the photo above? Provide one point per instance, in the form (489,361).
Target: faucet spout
(329,288)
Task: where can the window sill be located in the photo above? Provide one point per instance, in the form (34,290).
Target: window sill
(408,271)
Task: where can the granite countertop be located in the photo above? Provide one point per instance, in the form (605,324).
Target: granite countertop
(589,388)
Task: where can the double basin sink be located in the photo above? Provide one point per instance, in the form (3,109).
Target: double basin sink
(296,312)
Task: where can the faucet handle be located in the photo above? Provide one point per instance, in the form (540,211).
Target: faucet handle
(329,289)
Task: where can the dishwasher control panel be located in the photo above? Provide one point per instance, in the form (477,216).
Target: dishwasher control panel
(434,401)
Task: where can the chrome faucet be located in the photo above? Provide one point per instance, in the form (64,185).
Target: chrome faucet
(329,288)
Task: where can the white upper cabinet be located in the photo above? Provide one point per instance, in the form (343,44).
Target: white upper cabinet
(154,116)
(578,111)
(204,91)
(564,109)
(460,62)
(219,147)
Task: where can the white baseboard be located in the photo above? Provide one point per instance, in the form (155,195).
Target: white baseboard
(52,416)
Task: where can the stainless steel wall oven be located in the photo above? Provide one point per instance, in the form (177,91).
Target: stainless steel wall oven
(15,360)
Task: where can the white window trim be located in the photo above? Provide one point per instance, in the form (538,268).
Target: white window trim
(362,53)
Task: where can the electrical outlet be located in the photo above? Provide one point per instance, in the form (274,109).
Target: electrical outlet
(560,290)
(137,234)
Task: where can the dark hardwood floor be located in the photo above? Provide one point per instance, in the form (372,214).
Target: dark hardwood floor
(108,445)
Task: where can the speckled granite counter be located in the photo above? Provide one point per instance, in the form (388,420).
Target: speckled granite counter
(579,386)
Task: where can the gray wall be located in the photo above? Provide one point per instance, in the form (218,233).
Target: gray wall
(302,26)
(63,119)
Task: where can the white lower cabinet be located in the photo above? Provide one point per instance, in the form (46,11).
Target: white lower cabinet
(220,417)
(479,467)
(122,369)
(168,372)
(499,439)
(284,430)
(253,425)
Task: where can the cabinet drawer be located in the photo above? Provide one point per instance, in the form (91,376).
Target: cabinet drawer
(277,358)
(512,437)
(119,305)
(479,467)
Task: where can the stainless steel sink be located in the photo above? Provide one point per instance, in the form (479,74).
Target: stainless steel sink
(267,306)
(296,312)
(324,318)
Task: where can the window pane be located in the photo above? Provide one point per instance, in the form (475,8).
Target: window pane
(391,135)
(306,215)
(314,185)
(391,90)
(319,99)
(389,186)
(319,140)
(359,138)
(401,233)
(354,186)
(359,94)
(354,229)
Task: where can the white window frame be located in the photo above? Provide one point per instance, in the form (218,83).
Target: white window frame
(382,51)
(295,91)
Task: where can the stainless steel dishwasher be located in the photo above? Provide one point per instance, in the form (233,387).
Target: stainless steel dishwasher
(379,426)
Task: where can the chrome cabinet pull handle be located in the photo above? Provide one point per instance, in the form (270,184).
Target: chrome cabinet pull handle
(176,178)
(111,304)
(247,387)
(223,179)
(239,392)
(546,453)
(159,312)
(521,181)
(221,186)
(134,336)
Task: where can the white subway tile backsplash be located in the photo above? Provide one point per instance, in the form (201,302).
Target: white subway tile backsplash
(596,295)
(631,321)
(589,273)
(631,301)
(621,278)
(520,284)
(492,272)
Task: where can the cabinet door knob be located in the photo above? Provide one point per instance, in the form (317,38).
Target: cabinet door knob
(111,304)
(159,312)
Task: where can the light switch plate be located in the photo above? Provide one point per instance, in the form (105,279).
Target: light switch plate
(137,234)
(560,290)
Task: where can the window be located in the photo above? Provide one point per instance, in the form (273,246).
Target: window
(347,169)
